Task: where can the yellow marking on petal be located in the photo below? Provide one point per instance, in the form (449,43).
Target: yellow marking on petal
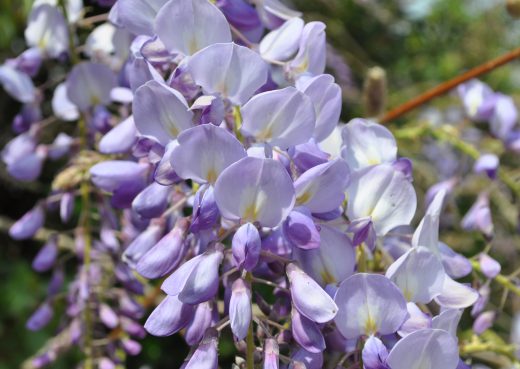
(265,134)
(95,100)
(251,213)
(303,198)
(327,277)
(173,130)
(407,294)
(373,161)
(370,326)
(211,175)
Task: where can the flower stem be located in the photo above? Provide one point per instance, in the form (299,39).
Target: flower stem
(250,339)
(449,85)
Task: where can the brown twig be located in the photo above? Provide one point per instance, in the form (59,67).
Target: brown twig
(449,85)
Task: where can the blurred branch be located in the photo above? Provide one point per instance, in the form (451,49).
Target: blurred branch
(449,85)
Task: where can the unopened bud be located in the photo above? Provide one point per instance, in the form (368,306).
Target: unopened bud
(513,8)
(374,92)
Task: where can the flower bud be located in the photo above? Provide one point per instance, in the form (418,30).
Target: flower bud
(205,315)
(162,258)
(300,230)
(306,333)
(271,354)
(246,247)
(66,206)
(205,356)
(152,201)
(240,311)
(205,210)
(483,322)
(108,316)
(374,92)
(513,8)
(169,317)
(489,266)
(40,318)
(46,257)
(27,226)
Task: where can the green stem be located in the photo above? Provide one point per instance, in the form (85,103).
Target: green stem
(500,279)
(250,339)
(86,228)
(478,346)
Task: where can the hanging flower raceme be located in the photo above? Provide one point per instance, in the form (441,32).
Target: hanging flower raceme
(209,157)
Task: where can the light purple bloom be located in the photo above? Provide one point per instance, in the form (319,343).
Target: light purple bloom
(456,265)
(188,26)
(505,116)
(382,193)
(244,17)
(141,244)
(281,118)
(321,188)
(160,112)
(204,152)
(306,333)
(40,318)
(233,71)
(430,348)
(299,229)
(307,155)
(47,255)
(108,316)
(320,308)
(152,201)
(62,107)
(374,354)
(489,266)
(283,42)
(326,98)
(333,261)
(169,317)
(416,320)
(89,84)
(205,315)
(205,211)
(240,310)
(271,354)
(478,216)
(419,274)
(488,164)
(254,189)
(47,30)
(478,100)
(363,232)
(246,247)
(197,280)
(136,15)
(27,226)
(166,254)
(17,84)
(366,143)
(369,304)
(448,321)
(120,139)
(311,54)
(205,356)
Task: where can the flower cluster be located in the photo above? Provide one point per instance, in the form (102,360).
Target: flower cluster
(209,155)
